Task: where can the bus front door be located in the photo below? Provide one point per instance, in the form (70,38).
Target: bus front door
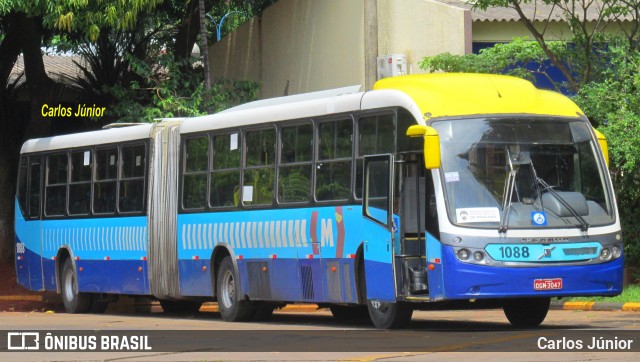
(378,228)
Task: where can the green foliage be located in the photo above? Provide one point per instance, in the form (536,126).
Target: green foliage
(614,105)
(505,58)
(164,91)
(82,16)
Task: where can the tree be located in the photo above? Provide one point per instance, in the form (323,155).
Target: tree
(25,27)
(586,35)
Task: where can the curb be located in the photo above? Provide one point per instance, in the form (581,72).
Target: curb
(596,306)
(213,307)
(21,298)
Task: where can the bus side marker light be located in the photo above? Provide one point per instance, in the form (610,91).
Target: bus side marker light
(80,269)
(309,256)
(195,257)
(352,256)
(264,268)
(140,269)
(204,268)
(333,269)
(19,257)
(240,257)
(144,258)
(273,256)
(431,267)
(77,258)
(107,258)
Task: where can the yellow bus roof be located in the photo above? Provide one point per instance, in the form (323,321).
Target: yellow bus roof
(458,94)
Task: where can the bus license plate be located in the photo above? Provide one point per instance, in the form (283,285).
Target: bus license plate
(547,284)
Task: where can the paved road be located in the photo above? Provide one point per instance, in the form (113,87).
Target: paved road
(433,335)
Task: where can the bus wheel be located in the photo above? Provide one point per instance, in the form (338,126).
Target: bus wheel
(180,306)
(232,308)
(389,315)
(526,312)
(74,302)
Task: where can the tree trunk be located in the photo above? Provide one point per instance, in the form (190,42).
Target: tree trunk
(27,34)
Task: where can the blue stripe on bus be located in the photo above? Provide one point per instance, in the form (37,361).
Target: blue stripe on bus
(472,281)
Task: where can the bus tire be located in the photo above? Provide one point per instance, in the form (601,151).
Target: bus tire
(74,302)
(526,312)
(389,315)
(232,307)
(180,306)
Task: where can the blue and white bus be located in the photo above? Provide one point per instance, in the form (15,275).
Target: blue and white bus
(430,190)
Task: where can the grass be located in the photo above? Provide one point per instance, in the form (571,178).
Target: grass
(630,294)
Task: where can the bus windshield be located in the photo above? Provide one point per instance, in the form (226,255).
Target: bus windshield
(523,173)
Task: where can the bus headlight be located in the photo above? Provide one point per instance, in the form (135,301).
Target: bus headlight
(478,256)
(463,254)
(605,254)
(616,251)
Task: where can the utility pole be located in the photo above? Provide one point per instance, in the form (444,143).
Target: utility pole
(370,43)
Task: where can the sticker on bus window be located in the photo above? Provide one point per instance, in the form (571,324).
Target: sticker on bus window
(138,160)
(478,214)
(112,160)
(87,158)
(451,177)
(247,194)
(234,142)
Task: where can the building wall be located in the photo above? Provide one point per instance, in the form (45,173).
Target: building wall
(312,45)
(238,55)
(309,45)
(420,28)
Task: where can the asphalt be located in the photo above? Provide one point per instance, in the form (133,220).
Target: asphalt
(213,307)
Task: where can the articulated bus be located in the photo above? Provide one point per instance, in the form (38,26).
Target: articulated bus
(442,190)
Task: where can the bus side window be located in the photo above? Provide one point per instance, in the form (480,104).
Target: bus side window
(333,168)
(196,169)
(225,170)
(259,168)
(376,135)
(80,185)
(21,192)
(56,189)
(104,189)
(294,173)
(35,184)
(131,189)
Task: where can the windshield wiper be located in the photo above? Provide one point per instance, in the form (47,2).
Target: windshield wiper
(584,225)
(507,195)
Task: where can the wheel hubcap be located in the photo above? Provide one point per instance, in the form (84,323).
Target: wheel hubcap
(69,287)
(228,289)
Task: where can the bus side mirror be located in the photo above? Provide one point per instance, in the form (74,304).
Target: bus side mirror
(431,144)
